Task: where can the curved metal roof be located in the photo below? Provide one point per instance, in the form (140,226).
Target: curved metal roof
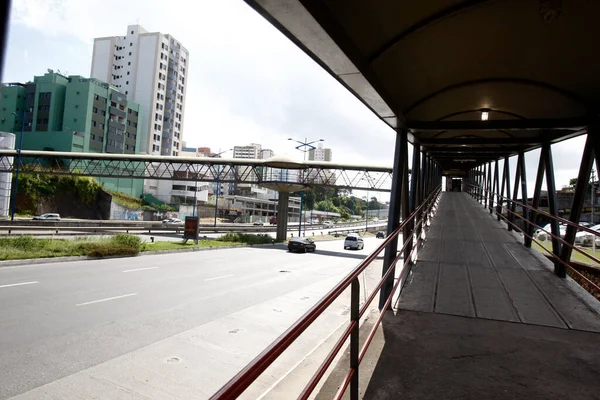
(434,66)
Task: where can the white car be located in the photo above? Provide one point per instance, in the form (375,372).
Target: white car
(258,223)
(47,217)
(585,238)
(172,221)
(328,224)
(354,242)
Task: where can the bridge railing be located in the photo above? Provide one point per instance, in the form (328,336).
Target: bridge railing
(419,221)
(505,209)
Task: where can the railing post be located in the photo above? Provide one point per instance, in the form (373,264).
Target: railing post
(578,197)
(513,205)
(559,269)
(490,199)
(537,192)
(496,187)
(354,345)
(524,197)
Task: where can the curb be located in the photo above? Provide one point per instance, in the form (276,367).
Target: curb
(51,260)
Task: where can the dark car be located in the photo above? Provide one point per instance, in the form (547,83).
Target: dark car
(380,235)
(302,245)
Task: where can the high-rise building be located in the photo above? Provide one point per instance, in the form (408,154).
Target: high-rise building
(320,153)
(151,69)
(73,114)
(251,151)
(266,153)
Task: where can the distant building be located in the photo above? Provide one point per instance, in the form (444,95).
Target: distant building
(320,153)
(74,114)
(266,153)
(151,69)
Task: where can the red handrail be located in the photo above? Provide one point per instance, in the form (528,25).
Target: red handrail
(242,380)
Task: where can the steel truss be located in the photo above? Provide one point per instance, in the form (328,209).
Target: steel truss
(260,172)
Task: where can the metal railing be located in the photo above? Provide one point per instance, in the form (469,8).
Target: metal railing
(500,208)
(418,220)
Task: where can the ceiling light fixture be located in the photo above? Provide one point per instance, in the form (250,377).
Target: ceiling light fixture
(484,115)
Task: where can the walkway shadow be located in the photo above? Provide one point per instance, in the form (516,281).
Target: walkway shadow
(419,355)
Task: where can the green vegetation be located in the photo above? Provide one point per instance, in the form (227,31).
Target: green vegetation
(24,247)
(38,187)
(246,238)
(575,255)
(125,200)
(189,245)
(339,201)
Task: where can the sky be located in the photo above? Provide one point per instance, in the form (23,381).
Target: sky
(247,83)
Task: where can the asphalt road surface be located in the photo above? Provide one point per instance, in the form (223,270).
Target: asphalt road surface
(58,319)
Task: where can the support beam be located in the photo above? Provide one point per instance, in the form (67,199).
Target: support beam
(500,124)
(495,188)
(506,173)
(559,269)
(513,207)
(282,215)
(537,193)
(524,197)
(580,191)
(414,181)
(400,161)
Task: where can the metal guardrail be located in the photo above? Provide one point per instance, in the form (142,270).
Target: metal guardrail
(418,221)
(530,226)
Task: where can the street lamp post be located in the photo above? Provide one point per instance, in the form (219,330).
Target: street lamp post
(304,147)
(14,200)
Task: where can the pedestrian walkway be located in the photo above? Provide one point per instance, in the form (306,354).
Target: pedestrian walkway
(482,317)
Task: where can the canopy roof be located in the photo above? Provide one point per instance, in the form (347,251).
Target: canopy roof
(434,67)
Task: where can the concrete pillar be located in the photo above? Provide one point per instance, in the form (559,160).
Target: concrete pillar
(282,215)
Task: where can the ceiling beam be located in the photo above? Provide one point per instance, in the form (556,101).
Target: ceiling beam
(523,124)
(471,141)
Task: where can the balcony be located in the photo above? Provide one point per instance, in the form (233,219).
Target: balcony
(115,111)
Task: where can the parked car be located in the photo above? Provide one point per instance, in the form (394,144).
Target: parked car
(273,221)
(380,235)
(584,238)
(354,242)
(258,223)
(47,217)
(172,221)
(300,244)
(328,224)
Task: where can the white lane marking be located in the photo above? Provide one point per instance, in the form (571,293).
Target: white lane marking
(278,381)
(218,277)
(139,269)
(107,299)
(19,284)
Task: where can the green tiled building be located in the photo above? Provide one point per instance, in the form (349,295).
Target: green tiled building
(74,114)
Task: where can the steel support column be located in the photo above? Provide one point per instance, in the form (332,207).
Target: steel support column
(490,200)
(524,197)
(506,174)
(559,269)
(282,215)
(496,186)
(396,197)
(537,192)
(580,190)
(513,205)
(414,181)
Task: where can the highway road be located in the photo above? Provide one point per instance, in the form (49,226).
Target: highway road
(79,327)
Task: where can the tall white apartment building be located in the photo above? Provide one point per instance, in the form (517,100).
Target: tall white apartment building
(252,151)
(320,153)
(151,69)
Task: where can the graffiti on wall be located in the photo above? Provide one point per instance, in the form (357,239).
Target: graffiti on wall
(127,215)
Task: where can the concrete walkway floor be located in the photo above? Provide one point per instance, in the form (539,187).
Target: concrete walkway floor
(482,317)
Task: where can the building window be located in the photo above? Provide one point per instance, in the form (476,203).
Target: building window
(100,125)
(93,137)
(129,63)
(127,82)
(93,123)
(126,92)
(95,109)
(129,53)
